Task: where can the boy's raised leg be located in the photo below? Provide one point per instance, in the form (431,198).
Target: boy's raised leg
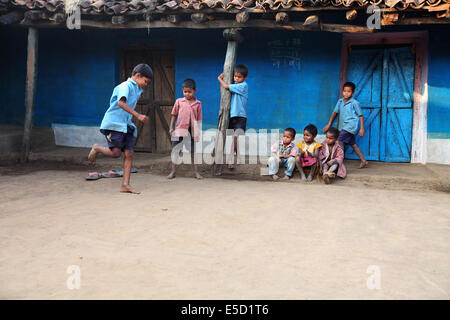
(364,162)
(96,149)
(127,164)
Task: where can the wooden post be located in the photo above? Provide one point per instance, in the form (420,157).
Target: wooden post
(30,90)
(233,37)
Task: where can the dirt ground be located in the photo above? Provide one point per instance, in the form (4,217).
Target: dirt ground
(218,239)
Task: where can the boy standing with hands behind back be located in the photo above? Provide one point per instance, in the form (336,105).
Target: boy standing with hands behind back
(349,112)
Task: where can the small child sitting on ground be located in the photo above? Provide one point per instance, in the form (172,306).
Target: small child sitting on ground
(283,154)
(308,152)
(331,157)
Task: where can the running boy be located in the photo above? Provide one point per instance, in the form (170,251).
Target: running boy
(349,111)
(187,112)
(117,126)
(331,157)
(283,155)
(238,107)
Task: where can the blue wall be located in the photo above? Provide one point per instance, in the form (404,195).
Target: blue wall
(439,85)
(293,76)
(12,75)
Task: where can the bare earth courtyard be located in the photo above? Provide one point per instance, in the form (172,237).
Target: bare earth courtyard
(219,239)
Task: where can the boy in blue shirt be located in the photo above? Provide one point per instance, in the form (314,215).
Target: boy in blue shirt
(349,112)
(117,126)
(238,106)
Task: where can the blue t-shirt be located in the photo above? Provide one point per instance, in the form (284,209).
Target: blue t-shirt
(116,118)
(239,97)
(349,114)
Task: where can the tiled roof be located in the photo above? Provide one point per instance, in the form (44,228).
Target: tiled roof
(111,7)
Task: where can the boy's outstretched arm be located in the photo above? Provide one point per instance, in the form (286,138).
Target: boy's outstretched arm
(333,115)
(141,117)
(223,83)
(361,131)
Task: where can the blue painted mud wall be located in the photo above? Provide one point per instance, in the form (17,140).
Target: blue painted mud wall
(293,76)
(439,85)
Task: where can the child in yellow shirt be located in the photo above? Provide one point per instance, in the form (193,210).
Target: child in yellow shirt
(308,152)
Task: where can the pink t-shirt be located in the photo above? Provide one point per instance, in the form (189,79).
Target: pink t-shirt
(189,114)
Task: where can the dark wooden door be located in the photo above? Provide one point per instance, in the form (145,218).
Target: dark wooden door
(157,98)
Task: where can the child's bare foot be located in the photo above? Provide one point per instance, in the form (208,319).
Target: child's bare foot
(286,177)
(275,177)
(198,176)
(309,179)
(332,175)
(92,154)
(171,175)
(326,179)
(363,164)
(303,177)
(128,189)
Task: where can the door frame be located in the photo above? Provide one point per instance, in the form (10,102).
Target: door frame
(154,105)
(419,41)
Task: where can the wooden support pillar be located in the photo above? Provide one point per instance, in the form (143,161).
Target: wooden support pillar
(30,90)
(233,37)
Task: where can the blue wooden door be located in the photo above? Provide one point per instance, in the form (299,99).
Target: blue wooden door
(384,81)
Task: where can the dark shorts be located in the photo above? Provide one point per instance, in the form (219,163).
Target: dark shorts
(238,123)
(190,146)
(116,139)
(347,138)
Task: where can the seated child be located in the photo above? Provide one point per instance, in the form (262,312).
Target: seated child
(308,152)
(331,157)
(283,154)
(187,112)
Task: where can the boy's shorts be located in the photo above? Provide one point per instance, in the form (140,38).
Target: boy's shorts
(238,123)
(182,139)
(347,137)
(116,139)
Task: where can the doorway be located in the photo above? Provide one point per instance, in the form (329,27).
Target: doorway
(384,78)
(158,97)
(390,71)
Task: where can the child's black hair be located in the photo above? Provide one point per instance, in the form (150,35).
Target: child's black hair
(291,131)
(311,129)
(188,83)
(349,85)
(242,69)
(144,70)
(334,132)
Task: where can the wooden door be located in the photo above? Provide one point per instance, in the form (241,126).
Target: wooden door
(157,98)
(384,79)
(398,101)
(364,69)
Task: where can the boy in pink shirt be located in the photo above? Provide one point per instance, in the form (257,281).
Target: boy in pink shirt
(187,112)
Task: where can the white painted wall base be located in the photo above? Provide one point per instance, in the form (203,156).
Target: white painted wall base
(77,136)
(256,143)
(438,151)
